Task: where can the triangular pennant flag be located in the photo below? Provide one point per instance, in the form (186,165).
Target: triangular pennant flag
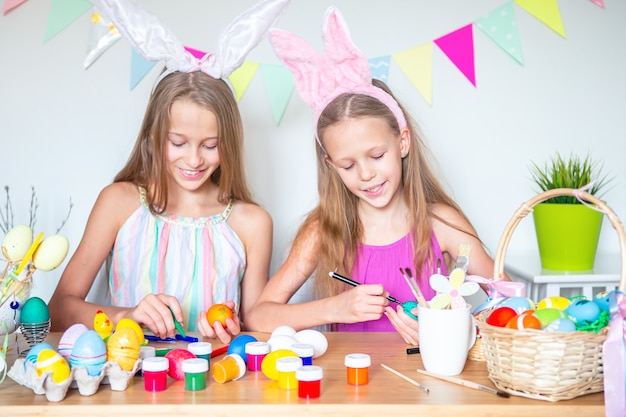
(459,48)
(240,79)
(417,64)
(547,11)
(102,35)
(139,67)
(598,3)
(279,84)
(379,67)
(10,5)
(198,54)
(500,26)
(62,13)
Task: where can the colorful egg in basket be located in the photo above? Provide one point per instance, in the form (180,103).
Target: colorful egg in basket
(123,348)
(90,352)
(69,337)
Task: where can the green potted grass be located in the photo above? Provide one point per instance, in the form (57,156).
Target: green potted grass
(568,230)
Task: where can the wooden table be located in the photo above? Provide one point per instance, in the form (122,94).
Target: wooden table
(254,395)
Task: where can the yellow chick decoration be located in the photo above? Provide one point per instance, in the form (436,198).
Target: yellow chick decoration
(102,325)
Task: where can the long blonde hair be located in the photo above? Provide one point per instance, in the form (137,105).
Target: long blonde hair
(145,165)
(336,220)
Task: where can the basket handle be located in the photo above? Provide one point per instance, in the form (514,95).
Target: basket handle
(525,208)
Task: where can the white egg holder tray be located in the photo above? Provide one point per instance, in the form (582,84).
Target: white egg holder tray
(25,374)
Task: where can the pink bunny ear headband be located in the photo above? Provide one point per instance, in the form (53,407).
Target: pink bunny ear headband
(155,42)
(342,69)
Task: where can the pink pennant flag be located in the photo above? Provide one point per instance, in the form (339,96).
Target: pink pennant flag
(10,5)
(459,48)
(598,3)
(198,54)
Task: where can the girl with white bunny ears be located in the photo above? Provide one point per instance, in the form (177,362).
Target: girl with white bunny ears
(177,228)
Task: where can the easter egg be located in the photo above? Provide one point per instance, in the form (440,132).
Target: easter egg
(523,321)
(561,325)
(268,365)
(68,338)
(34,310)
(16,242)
(176,358)
(547,315)
(554,301)
(583,310)
(102,324)
(31,356)
(238,345)
(49,361)
(284,330)
(123,348)
(89,351)
(602,300)
(51,252)
(314,338)
(127,323)
(500,316)
(519,304)
(281,341)
(408,307)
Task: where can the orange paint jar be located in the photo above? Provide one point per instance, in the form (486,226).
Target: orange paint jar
(357,368)
(230,368)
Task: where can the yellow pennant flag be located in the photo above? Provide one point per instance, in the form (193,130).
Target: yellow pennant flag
(547,11)
(241,77)
(417,64)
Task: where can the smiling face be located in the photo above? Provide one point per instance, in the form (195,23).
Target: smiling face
(367,156)
(191,149)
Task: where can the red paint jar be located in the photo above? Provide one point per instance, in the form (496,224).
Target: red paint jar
(309,381)
(357,368)
(155,373)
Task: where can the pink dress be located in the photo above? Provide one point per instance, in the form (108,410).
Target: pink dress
(381,265)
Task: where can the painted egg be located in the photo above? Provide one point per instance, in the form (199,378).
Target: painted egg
(16,242)
(89,351)
(51,252)
(500,316)
(123,348)
(602,300)
(238,345)
(315,338)
(127,323)
(34,310)
(10,316)
(69,337)
(553,302)
(49,361)
(561,325)
(548,315)
(583,310)
(268,365)
(31,356)
(519,304)
(281,341)
(176,358)
(284,330)
(524,321)
(102,324)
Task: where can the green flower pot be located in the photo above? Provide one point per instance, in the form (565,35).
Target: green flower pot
(567,235)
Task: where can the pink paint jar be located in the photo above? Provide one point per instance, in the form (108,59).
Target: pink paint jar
(155,373)
(256,352)
(309,381)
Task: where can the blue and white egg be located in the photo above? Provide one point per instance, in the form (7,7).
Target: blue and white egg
(90,352)
(519,304)
(69,337)
(602,300)
(560,325)
(583,311)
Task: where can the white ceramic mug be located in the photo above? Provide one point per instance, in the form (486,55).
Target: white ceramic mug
(445,337)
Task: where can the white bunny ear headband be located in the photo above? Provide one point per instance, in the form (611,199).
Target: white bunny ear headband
(342,69)
(155,42)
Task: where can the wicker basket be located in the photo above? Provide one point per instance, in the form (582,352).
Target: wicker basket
(549,366)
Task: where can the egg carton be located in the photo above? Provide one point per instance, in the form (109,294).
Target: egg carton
(25,374)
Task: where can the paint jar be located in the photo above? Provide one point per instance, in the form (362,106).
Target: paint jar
(202,350)
(155,373)
(357,368)
(256,352)
(305,351)
(145,352)
(286,368)
(230,368)
(309,381)
(195,370)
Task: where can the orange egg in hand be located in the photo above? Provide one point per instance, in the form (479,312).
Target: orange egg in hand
(218,312)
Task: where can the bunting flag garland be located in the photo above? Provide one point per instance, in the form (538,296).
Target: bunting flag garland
(415,63)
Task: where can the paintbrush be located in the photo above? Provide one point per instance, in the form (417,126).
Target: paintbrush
(466,383)
(406,378)
(421,301)
(462,258)
(179,327)
(354,284)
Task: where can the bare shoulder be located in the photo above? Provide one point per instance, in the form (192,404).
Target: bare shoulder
(447,214)
(119,199)
(248,219)
(451,227)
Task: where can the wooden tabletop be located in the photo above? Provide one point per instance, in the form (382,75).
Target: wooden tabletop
(254,395)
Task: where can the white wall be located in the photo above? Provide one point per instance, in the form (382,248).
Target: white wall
(67,131)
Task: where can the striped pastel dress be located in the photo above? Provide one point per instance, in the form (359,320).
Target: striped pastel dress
(199,261)
(380,265)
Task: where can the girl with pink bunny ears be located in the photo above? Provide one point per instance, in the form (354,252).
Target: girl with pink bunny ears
(381,206)
(177,228)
